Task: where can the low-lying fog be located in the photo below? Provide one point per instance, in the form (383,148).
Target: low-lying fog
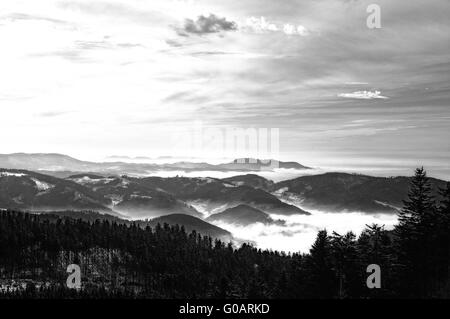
(276,175)
(300,231)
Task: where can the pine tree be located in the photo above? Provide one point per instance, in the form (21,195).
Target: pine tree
(418,207)
(444,207)
(416,220)
(443,243)
(321,281)
(375,247)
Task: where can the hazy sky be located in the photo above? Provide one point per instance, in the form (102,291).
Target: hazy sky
(97,78)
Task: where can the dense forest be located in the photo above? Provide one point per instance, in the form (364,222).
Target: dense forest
(134,260)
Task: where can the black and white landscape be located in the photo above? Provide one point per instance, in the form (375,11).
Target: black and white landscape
(284,216)
(207,149)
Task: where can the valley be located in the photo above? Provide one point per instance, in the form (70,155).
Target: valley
(241,208)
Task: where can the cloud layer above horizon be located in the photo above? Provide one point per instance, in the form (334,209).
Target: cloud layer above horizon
(94,78)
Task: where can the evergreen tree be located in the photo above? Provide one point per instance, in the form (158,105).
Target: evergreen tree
(322,281)
(442,243)
(123,259)
(416,220)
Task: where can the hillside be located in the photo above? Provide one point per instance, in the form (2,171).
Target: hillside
(191,223)
(351,192)
(215,193)
(242,215)
(251,180)
(131,197)
(20,189)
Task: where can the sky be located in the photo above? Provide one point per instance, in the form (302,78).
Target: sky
(98,78)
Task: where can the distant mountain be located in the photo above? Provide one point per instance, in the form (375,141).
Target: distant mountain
(191,223)
(56,163)
(38,161)
(21,189)
(216,194)
(348,192)
(243,215)
(251,180)
(252,164)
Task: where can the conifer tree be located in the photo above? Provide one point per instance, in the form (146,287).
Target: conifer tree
(416,220)
(321,281)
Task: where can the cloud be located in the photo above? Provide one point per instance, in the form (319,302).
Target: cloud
(262,25)
(70,54)
(300,231)
(52,113)
(259,25)
(174,44)
(22,16)
(290,29)
(356,83)
(122,11)
(80,50)
(363,95)
(271,79)
(206,25)
(212,53)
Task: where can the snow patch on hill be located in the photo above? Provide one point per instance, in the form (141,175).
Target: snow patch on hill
(42,186)
(12,174)
(87,180)
(140,196)
(206,208)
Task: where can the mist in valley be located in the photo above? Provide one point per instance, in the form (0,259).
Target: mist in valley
(300,231)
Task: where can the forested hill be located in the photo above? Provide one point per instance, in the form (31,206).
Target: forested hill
(129,260)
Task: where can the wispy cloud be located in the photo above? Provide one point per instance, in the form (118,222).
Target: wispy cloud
(259,63)
(356,83)
(122,11)
(28,17)
(263,25)
(363,95)
(52,113)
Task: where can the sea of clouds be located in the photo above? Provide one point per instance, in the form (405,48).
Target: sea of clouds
(300,231)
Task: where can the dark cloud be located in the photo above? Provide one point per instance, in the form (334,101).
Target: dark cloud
(174,44)
(206,25)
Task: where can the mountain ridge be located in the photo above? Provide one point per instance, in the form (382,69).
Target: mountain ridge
(336,191)
(55,162)
(243,215)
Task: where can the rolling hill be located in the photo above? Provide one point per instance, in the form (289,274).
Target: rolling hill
(243,215)
(251,180)
(216,194)
(191,223)
(348,192)
(134,199)
(21,189)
